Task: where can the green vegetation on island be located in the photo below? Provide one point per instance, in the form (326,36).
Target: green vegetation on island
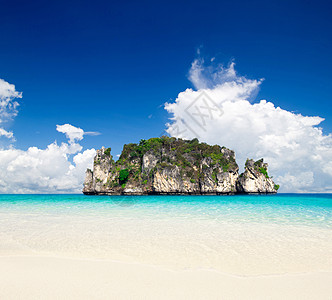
(170,165)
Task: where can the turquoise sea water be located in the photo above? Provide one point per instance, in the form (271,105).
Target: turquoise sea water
(245,234)
(302,209)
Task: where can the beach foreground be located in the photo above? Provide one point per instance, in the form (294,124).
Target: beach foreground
(58,278)
(241,247)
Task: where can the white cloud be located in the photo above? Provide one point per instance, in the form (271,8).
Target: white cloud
(72,133)
(208,77)
(47,170)
(298,153)
(92,133)
(7,90)
(55,169)
(8,106)
(7,134)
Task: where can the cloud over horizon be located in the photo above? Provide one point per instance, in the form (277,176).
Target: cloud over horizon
(55,169)
(221,112)
(48,170)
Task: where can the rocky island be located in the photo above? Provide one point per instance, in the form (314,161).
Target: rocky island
(168,165)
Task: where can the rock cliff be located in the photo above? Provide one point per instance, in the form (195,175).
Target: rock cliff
(174,166)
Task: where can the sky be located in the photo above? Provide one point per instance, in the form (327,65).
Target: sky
(104,73)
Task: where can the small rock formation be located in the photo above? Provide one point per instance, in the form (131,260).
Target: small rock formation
(174,166)
(255,179)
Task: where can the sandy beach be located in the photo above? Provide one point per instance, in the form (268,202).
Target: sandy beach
(78,247)
(58,278)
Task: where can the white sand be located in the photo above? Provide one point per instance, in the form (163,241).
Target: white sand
(59,278)
(96,250)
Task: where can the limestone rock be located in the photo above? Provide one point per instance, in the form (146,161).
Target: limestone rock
(255,178)
(88,182)
(174,166)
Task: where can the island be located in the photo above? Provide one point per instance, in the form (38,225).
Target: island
(167,165)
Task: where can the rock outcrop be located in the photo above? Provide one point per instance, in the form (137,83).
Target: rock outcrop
(255,179)
(174,166)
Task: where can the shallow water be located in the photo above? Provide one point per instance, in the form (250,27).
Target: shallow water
(245,235)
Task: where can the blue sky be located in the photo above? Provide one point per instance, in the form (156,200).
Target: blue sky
(106,66)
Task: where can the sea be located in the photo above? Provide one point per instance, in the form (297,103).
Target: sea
(244,235)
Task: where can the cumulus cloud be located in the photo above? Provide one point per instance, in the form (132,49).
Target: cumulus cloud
(57,168)
(7,94)
(8,106)
(220,111)
(203,77)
